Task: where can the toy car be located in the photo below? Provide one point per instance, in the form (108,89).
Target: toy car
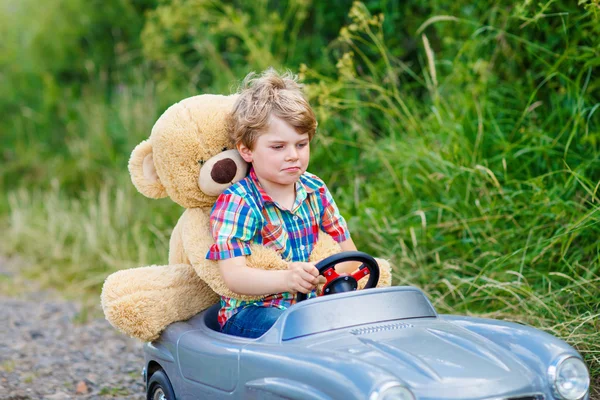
(377,344)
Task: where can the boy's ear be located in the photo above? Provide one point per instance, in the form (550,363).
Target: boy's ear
(143,172)
(245,152)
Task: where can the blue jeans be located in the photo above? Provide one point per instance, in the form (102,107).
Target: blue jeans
(252,321)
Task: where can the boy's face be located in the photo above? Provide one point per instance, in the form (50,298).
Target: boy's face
(280,155)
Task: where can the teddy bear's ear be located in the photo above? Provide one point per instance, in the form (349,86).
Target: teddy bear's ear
(143,172)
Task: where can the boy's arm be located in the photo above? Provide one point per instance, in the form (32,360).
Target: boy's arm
(241,279)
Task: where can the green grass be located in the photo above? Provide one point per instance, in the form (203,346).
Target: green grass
(462,142)
(76,243)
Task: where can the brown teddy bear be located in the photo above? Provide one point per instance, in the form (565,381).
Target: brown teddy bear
(189,158)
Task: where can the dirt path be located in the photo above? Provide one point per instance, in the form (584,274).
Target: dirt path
(48,352)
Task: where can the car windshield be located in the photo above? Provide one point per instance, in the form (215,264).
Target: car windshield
(357,308)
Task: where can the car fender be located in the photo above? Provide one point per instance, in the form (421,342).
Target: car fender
(283,388)
(534,347)
(158,351)
(327,374)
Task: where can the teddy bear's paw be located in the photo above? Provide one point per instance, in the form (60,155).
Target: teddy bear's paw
(141,302)
(264,258)
(144,316)
(134,316)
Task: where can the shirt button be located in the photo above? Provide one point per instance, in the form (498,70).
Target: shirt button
(295,218)
(302,247)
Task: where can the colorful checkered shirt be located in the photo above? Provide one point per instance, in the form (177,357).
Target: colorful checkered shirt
(245,213)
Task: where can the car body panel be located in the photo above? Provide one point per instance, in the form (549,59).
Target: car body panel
(211,363)
(432,351)
(351,344)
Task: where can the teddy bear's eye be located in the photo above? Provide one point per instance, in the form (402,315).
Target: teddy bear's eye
(224,149)
(201,162)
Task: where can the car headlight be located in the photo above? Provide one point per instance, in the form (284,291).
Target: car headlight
(569,378)
(392,391)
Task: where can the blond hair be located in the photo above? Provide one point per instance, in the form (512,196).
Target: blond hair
(265,95)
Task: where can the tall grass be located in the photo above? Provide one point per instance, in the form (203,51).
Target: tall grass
(485,194)
(462,142)
(77,242)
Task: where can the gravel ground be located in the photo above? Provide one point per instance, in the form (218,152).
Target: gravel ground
(46,353)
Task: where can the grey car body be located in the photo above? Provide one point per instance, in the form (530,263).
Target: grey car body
(355,345)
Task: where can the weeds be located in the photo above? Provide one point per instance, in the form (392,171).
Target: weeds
(462,142)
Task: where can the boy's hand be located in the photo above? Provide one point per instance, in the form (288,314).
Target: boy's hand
(302,277)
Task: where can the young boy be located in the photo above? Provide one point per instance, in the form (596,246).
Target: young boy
(278,205)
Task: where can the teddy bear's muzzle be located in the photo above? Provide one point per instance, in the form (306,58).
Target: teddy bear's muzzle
(224,171)
(221,171)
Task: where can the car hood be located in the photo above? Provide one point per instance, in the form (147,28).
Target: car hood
(431,354)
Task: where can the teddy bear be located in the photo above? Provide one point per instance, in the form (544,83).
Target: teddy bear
(189,158)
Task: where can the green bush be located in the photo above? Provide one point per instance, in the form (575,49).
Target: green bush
(57,58)
(460,138)
(203,43)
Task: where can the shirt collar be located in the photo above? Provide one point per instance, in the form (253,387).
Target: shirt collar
(264,197)
(304,187)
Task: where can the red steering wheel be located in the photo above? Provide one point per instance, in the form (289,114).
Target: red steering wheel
(337,283)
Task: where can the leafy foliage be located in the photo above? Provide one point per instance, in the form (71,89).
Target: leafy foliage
(461,138)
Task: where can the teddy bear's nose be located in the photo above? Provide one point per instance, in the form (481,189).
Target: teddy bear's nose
(224,171)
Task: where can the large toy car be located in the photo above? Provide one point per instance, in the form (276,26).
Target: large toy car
(376,344)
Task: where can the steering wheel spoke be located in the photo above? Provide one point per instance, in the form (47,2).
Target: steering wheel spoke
(360,273)
(330,274)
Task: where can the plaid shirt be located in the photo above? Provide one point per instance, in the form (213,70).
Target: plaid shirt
(245,213)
